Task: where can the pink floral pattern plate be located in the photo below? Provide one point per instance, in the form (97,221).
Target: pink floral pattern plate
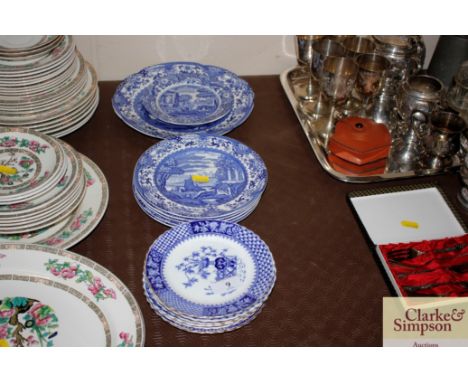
(31,162)
(42,289)
(81,223)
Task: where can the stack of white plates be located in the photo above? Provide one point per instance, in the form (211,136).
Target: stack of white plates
(198,177)
(208,276)
(45,84)
(178,98)
(49,193)
(52,297)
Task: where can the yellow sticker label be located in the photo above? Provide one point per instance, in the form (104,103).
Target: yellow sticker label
(409,224)
(7,170)
(200,178)
(4,343)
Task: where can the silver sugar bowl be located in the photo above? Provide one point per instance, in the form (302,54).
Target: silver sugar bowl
(422,93)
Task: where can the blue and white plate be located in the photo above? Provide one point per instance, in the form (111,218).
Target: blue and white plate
(185,103)
(137,90)
(199,176)
(201,329)
(172,221)
(210,269)
(201,325)
(202,322)
(190,327)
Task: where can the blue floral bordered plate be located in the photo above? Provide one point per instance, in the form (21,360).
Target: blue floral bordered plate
(187,103)
(210,268)
(199,176)
(172,221)
(200,329)
(128,100)
(201,322)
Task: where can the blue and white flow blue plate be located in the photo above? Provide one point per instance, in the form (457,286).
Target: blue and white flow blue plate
(138,91)
(199,176)
(210,269)
(189,104)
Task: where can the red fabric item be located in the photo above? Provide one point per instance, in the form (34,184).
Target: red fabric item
(447,270)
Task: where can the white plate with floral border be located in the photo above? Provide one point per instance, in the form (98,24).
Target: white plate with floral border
(31,164)
(102,292)
(39,65)
(65,186)
(81,223)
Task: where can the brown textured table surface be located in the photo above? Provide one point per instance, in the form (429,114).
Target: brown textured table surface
(329,288)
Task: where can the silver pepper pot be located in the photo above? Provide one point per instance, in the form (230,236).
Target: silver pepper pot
(409,151)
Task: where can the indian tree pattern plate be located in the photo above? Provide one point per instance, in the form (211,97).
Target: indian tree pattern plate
(14,43)
(47,218)
(107,309)
(29,160)
(68,182)
(88,215)
(185,102)
(64,85)
(83,97)
(36,311)
(199,176)
(137,89)
(209,269)
(42,94)
(20,57)
(40,65)
(81,223)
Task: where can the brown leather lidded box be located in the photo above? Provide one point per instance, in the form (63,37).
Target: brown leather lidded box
(359,146)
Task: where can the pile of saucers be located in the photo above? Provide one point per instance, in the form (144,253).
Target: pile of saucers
(49,193)
(45,84)
(199,177)
(208,276)
(178,98)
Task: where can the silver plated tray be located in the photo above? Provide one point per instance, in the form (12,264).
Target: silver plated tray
(320,150)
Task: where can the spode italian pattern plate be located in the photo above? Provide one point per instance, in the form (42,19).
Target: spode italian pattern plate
(136,89)
(233,176)
(189,103)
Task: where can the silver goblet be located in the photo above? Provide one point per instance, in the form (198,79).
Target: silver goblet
(444,141)
(307,86)
(322,49)
(357,45)
(337,78)
(372,68)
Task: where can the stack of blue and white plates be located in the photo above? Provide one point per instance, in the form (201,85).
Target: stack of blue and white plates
(198,177)
(208,276)
(178,98)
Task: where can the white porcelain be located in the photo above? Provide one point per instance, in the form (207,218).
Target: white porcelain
(117,312)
